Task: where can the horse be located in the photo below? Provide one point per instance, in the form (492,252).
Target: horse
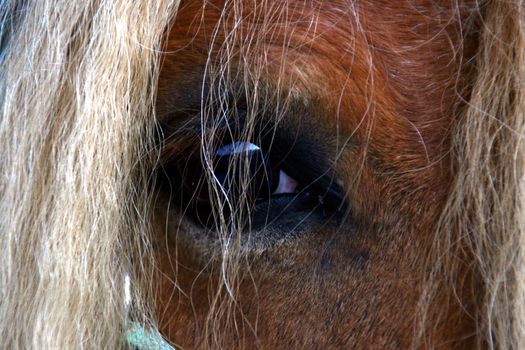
(235,174)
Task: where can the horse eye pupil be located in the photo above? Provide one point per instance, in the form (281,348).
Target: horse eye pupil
(244,167)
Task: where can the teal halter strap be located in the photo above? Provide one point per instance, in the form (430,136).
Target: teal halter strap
(142,339)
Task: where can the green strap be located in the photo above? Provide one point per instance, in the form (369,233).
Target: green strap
(142,339)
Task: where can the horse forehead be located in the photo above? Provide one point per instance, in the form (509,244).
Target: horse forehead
(373,54)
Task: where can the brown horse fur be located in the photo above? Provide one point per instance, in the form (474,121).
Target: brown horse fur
(374,85)
(415,107)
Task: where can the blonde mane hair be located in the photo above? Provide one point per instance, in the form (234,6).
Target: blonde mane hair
(485,214)
(77,91)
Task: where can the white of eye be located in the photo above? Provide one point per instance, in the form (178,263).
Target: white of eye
(286,184)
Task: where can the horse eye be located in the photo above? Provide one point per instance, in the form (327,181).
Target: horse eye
(243,175)
(259,184)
